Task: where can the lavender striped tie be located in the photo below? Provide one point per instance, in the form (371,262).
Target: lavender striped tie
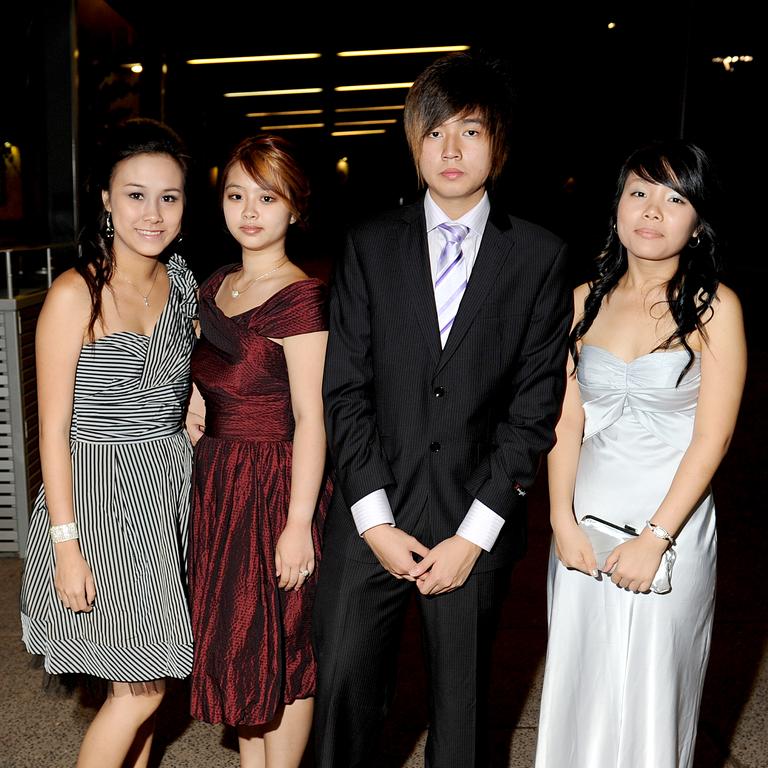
(451,279)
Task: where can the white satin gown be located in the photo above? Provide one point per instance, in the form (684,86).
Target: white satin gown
(625,671)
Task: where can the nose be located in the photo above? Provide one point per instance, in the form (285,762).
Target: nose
(652,211)
(152,212)
(249,211)
(451,149)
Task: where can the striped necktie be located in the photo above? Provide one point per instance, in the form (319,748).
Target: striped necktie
(451,279)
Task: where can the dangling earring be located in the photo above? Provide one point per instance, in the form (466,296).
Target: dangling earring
(614,227)
(292,220)
(109,230)
(694,242)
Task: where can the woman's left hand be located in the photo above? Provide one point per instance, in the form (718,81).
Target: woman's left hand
(294,556)
(634,563)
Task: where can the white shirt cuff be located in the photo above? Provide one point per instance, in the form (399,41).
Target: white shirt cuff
(372,510)
(481,525)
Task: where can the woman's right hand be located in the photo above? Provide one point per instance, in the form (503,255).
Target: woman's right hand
(574,550)
(73,578)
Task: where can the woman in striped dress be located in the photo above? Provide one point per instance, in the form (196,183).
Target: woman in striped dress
(103,591)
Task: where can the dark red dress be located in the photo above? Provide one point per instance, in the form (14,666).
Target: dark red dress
(252,640)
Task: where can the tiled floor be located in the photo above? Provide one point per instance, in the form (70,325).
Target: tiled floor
(41,731)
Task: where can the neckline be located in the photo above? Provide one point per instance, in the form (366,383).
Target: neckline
(136,333)
(212,297)
(608,352)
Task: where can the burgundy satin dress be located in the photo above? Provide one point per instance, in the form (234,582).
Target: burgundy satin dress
(252,640)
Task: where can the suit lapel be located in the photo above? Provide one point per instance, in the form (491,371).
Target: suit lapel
(494,248)
(413,253)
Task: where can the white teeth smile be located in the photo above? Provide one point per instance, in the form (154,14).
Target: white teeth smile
(149,232)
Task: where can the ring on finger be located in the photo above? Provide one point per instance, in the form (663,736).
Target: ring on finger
(304,572)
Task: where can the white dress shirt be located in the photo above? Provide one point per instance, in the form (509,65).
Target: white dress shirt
(481,525)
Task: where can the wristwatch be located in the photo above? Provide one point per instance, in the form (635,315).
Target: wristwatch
(659,532)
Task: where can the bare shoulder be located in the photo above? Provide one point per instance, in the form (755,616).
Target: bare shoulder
(68,299)
(580,294)
(726,302)
(724,328)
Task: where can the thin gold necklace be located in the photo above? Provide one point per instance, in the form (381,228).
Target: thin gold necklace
(143,296)
(235,292)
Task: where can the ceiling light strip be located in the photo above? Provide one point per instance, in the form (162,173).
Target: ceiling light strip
(400,51)
(249,59)
(358,133)
(291,126)
(369,109)
(372,87)
(281,92)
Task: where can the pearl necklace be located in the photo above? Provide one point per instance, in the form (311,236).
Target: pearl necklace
(235,293)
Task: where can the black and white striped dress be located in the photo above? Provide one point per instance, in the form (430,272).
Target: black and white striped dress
(131,468)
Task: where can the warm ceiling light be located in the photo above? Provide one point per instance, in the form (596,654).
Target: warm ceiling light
(134,66)
(357,133)
(728,62)
(390,51)
(611,25)
(372,87)
(283,92)
(286,112)
(367,122)
(291,127)
(369,109)
(248,59)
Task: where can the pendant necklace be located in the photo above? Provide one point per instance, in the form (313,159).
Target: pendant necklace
(143,296)
(235,293)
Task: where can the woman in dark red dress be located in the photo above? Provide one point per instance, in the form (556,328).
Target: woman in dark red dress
(260,488)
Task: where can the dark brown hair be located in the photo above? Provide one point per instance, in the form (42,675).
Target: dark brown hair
(269,161)
(139,136)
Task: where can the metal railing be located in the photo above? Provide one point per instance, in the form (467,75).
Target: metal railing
(44,274)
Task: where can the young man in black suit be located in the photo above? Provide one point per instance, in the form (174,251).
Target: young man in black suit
(443,381)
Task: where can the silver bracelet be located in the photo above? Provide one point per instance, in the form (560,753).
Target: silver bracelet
(65,532)
(659,532)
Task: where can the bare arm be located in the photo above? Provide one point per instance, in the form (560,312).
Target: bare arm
(723,371)
(195,420)
(58,341)
(571,544)
(304,356)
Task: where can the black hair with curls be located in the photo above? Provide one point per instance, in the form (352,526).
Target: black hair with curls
(133,137)
(691,291)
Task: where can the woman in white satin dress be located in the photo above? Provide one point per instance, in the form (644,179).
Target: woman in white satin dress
(659,350)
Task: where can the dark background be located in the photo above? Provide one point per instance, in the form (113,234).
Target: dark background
(585,97)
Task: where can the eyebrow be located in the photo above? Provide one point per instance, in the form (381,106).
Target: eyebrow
(144,186)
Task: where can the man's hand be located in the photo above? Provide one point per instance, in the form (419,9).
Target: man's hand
(446,567)
(394,549)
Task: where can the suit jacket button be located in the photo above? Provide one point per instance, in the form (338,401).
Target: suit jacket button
(434,447)
(438,391)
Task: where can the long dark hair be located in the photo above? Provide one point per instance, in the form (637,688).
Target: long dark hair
(133,137)
(691,291)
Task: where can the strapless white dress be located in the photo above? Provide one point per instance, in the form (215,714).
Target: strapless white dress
(624,671)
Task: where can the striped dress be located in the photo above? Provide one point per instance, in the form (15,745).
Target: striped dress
(131,468)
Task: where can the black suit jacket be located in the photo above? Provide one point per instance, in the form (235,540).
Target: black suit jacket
(439,427)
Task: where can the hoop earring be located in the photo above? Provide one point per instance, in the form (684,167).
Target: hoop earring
(694,242)
(614,227)
(109,230)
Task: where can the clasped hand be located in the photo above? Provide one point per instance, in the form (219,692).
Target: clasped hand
(442,569)
(633,564)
